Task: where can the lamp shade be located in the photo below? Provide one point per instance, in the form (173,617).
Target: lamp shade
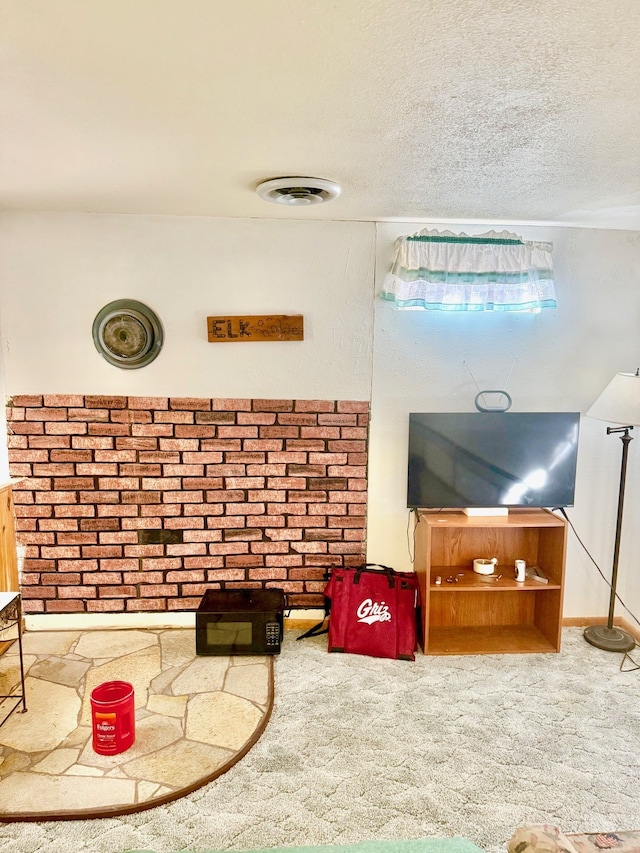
(619,403)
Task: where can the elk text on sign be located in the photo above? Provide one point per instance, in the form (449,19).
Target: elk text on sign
(267,327)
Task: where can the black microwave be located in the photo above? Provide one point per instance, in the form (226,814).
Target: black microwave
(240,622)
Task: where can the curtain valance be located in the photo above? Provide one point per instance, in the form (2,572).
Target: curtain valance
(442,271)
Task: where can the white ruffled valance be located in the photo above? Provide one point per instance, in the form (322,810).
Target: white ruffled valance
(496,271)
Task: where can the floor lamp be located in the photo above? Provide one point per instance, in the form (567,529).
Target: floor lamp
(619,403)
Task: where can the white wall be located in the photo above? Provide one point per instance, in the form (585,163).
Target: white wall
(57,271)
(558,360)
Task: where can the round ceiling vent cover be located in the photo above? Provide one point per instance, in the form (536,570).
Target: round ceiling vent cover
(298,191)
(127,334)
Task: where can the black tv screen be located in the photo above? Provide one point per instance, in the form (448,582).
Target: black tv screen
(492,459)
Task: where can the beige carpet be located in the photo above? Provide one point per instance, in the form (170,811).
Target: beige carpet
(195,717)
(361,749)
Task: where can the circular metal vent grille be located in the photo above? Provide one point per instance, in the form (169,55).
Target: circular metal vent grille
(297,191)
(127,334)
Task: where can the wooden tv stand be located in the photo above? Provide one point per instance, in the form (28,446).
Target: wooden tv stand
(477,614)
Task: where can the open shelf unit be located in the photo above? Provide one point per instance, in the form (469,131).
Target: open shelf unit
(479,614)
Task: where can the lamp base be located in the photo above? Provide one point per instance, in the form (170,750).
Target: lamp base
(609,639)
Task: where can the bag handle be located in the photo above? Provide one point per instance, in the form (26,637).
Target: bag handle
(315,630)
(321,627)
(386,570)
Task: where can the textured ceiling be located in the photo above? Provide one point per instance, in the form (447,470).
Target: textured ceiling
(491,110)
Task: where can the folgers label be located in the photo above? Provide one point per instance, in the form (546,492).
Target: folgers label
(105,725)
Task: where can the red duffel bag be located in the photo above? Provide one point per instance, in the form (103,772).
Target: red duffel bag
(373,612)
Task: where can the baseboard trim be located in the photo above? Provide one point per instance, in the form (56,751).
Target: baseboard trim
(107,621)
(295,619)
(585,621)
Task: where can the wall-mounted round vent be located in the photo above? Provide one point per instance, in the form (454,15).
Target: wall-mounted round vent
(298,191)
(127,334)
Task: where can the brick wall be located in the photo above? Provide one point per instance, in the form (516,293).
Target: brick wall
(140,504)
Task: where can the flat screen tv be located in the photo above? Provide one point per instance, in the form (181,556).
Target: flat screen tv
(492,459)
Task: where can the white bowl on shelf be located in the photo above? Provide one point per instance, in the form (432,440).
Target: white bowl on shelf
(484,567)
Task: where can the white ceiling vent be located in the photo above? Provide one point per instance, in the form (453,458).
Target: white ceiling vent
(298,191)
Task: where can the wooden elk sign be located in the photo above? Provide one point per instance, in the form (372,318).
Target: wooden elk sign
(255,327)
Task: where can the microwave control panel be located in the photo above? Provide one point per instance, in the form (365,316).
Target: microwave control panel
(273,633)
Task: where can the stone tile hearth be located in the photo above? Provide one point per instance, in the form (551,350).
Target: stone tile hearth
(195,717)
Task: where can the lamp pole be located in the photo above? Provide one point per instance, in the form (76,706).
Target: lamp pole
(609,637)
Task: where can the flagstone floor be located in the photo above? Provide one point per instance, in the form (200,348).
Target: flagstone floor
(195,717)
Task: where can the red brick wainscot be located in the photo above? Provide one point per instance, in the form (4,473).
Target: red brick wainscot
(133,504)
